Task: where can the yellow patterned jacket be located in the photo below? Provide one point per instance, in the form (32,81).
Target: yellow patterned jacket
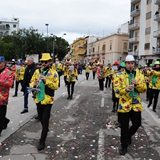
(87,69)
(157,84)
(65,70)
(52,81)
(125,100)
(57,67)
(20,73)
(108,70)
(72,75)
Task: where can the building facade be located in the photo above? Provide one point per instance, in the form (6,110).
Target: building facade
(109,49)
(7,27)
(145,31)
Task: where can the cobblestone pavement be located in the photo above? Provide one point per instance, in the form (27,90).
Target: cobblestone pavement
(83,128)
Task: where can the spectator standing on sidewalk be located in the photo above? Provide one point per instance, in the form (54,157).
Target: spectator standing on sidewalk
(6,81)
(129,85)
(29,71)
(47,81)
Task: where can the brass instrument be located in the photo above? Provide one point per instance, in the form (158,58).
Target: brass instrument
(133,96)
(110,74)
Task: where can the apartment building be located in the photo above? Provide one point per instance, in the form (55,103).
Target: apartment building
(109,49)
(145,31)
(7,27)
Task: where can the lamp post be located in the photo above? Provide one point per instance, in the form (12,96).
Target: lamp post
(64,34)
(47,35)
(53,56)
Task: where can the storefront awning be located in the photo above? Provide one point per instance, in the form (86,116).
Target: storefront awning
(92,60)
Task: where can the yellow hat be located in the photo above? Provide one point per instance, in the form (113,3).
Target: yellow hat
(45,57)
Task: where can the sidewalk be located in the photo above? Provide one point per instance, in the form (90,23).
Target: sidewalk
(84,128)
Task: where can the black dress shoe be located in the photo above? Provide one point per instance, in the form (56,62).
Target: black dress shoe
(14,96)
(6,123)
(149,105)
(41,146)
(24,111)
(68,97)
(123,151)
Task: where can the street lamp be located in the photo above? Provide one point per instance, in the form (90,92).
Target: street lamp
(47,35)
(64,34)
(53,56)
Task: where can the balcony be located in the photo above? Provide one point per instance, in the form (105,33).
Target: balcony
(81,53)
(157,17)
(157,2)
(102,51)
(134,40)
(134,26)
(80,46)
(156,34)
(135,13)
(133,53)
(156,51)
(3,27)
(135,1)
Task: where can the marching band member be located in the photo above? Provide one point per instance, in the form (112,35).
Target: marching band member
(129,85)
(94,69)
(115,96)
(65,70)
(19,75)
(154,85)
(101,76)
(47,82)
(58,67)
(6,81)
(71,79)
(109,70)
(87,70)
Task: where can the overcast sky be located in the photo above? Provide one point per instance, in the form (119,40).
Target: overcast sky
(76,18)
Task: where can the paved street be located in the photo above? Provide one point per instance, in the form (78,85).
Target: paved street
(83,128)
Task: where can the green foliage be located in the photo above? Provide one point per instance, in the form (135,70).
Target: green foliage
(30,42)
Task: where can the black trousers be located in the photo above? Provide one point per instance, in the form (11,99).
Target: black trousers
(94,74)
(153,93)
(3,119)
(17,84)
(148,91)
(70,88)
(65,80)
(108,82)
(123,119)
(59,74)
(87,76)
(44,116)
(101,84)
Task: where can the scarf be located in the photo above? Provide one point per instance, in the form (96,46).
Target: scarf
(154,79)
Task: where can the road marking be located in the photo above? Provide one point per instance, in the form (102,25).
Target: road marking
(100,155)
(102,102)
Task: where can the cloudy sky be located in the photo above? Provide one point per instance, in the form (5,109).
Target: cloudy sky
(76,18)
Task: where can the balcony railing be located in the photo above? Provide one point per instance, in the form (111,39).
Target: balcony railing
(133,53)
(4,28)
(134,40)
(135,13)
(156,51)
(134,26)
(157,17)
(157,2)
(156,34)
(135,1)
(80,53)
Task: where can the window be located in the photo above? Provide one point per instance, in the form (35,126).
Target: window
(14,25)
(147,46)
(148,15)
(149,1)
(110,46)
(125,46)
(98,49)
(104,47)
(93,49)
(147,30)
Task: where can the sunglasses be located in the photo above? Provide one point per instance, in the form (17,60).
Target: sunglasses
(44,62)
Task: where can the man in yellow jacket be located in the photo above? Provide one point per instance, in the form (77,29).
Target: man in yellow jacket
(46,81)
(129,84)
